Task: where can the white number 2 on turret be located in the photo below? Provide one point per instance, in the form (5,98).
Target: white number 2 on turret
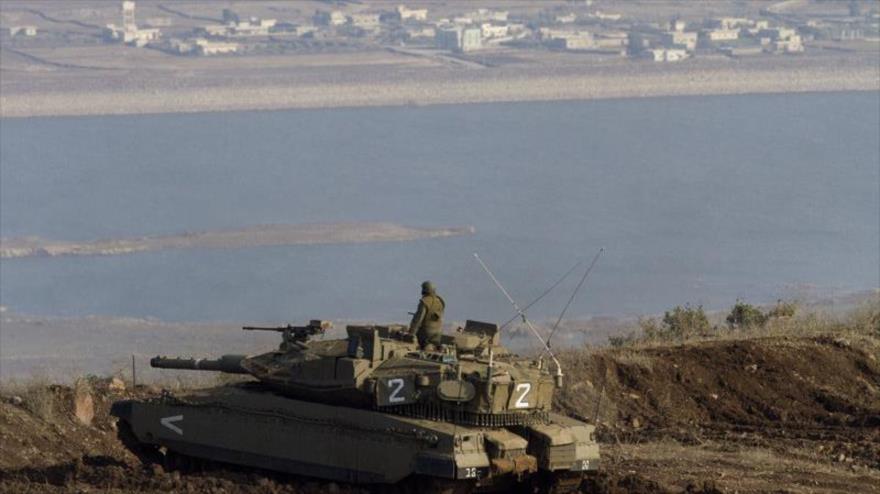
(396,386)
(522,391)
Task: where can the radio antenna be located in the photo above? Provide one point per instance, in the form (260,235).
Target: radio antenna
(546,292)
(573,294)
(525,320)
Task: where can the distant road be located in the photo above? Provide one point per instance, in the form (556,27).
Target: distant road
(257,236)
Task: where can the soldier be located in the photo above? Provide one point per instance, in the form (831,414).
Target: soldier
(427,322)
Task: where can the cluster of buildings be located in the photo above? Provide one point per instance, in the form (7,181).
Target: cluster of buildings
(460,33)
(679,39)
(477,29)
(582,29)
(732,36)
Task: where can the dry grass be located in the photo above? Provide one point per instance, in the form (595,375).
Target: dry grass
(634,358)
(36,396)
(854,324)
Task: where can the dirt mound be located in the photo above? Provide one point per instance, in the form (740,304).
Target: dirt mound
(820,382)
(750,415)
(39,426)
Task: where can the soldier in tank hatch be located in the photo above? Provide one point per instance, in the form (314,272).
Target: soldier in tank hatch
(427,322)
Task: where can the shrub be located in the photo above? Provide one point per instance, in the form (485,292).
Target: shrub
(36,396)
(651,329)
(782,309)
(866,318)
(745,316)
(685,322)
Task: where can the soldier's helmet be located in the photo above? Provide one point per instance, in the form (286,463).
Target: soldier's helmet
(427,288)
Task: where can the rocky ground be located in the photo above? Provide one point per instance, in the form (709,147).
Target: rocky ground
(770,414)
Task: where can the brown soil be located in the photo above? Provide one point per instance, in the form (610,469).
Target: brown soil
(754,415)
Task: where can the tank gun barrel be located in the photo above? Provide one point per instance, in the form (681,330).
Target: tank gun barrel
(229,364)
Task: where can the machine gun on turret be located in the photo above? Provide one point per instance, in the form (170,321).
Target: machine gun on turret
(295,336)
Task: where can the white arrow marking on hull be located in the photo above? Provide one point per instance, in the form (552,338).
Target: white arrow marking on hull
(169,423)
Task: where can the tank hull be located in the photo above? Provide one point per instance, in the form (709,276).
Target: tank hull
(250,426)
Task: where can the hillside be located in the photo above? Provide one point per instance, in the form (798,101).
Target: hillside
(780,414)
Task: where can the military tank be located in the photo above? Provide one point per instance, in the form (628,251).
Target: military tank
(375,408)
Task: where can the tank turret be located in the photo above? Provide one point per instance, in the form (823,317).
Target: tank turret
(469,379)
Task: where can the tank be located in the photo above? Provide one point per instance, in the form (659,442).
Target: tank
(375,408)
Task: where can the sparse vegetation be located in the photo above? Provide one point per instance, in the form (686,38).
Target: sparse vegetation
(621,341)
(683,323)
(744,315)
(782,309)
(34,395)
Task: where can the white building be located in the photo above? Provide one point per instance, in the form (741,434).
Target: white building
(458,39)
(205,47)
(488,15)
(575,40)
(666,55)
(22,31)
(137,37)
(792,44)
(722,35)
(364,21)
(611,40)
(677,25)
(778,33)
(129,33)
(332,18)
(252,27)
(605,16)
(128,22)
(304,29)
(213,30)
(687,39)
(489,30)
(734,22)
(414,14)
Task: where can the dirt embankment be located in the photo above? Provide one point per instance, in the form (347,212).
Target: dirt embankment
(257,236)
(779,414)
(776,414)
